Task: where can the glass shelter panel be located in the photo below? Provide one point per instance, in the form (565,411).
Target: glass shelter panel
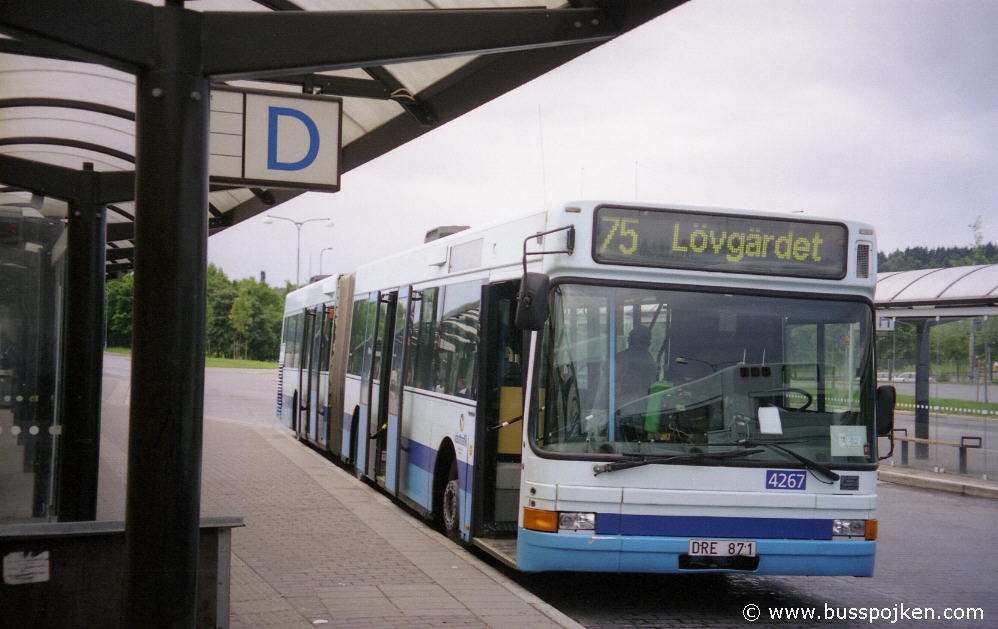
(32,272)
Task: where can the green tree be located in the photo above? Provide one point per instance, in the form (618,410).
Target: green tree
(221,294)
(255,318)
(119,311)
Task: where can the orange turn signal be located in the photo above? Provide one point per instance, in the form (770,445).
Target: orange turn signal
(538,520)
(871,529)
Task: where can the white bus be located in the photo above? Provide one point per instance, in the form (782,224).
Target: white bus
(611,387)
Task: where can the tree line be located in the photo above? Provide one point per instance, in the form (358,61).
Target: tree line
(913,258)
(243,318)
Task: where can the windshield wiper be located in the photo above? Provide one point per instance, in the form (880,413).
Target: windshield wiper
(676,458)
(812,466)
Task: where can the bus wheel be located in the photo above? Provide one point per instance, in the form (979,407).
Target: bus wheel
(450,505)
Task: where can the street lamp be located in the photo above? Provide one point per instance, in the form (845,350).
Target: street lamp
(271,218)
(320,257)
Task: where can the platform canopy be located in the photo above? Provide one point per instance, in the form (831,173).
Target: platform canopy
(402,68)
(961,291)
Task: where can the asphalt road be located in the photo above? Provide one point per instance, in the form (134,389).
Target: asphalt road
(247,395)
(936,550)
(951,391)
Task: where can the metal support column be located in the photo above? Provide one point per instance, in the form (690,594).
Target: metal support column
(82,365)
(164,457)
(922,334)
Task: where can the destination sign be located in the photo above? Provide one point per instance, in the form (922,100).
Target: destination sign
(720,242)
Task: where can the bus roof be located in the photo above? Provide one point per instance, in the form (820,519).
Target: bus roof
(494,252)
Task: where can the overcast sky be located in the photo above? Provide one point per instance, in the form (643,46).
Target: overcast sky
(884,111)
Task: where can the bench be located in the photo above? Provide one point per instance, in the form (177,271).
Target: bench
(964,444)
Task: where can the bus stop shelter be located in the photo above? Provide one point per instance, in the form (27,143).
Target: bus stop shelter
(928,297)
(105,117)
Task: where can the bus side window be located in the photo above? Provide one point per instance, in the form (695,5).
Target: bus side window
(457,340)
(358,334)
(294,342)
(419,364)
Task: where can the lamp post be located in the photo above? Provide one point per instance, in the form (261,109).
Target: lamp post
(320,257)
(298,224)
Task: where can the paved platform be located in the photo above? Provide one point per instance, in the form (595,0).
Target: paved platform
(925,479)
(321,548)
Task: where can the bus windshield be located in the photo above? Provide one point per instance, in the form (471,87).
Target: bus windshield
(639,371)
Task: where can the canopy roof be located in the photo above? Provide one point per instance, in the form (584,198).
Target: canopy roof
(402,68)
(953,291)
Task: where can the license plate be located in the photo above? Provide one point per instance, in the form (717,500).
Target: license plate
(721,548)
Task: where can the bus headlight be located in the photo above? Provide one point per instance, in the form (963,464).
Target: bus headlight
(573,521)
(558,521)
(849,528)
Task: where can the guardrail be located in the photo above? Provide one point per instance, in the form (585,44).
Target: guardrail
(966,443)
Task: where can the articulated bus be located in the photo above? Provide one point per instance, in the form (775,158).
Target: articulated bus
(610,387)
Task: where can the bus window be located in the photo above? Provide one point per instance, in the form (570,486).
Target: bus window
(834,350)
(457,340)
(719,358)
(327,338)
(379,338)
(419,366)
(294,341)
(359,328)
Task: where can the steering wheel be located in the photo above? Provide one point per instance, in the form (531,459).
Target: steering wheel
(808,397)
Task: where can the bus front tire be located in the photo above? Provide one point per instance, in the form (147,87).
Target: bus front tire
(450,505)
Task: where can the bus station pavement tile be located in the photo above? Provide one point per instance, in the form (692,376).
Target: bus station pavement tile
(319,545)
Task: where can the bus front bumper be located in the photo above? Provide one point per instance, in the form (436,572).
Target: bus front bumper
(539,552)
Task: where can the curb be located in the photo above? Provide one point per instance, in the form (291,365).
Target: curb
(941,482)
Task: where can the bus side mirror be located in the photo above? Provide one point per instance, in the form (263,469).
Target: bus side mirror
(532,301)
(886,397)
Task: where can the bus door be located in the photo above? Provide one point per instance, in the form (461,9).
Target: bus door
(377,425)
(392,411)
(363,432)
(300,412)
(500,407)
(340,431)
(318,423)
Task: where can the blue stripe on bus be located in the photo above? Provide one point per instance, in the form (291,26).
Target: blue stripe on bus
(420,456)
(418,481)
(346,435)
(391,482)
(424,457)
(705,526)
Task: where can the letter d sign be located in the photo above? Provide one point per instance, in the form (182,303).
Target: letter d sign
(292,140)
(273,119)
